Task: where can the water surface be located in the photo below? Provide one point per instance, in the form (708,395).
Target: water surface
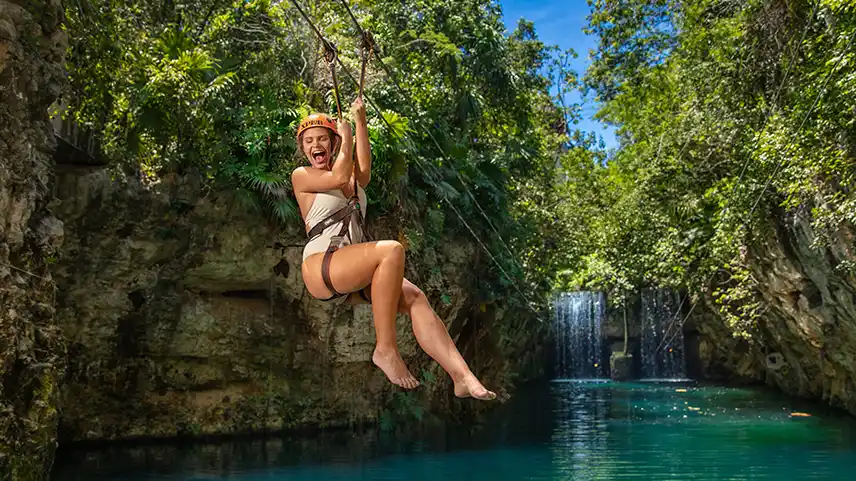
(564,431)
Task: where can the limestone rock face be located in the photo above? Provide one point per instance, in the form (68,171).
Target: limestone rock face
(185,313)
(32,49)
(810,323)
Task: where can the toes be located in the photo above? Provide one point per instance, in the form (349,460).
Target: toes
(407,383)
(484,395)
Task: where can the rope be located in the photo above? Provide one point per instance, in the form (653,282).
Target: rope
(271,320)
(419,161)
(331,54)
(25,271)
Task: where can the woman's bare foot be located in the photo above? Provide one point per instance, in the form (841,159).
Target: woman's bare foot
(393,366)
(469,386)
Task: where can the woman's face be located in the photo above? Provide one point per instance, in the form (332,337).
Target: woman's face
(317,145)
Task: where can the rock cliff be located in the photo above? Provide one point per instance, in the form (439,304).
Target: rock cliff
(805,341)
(185,314)
(32,49)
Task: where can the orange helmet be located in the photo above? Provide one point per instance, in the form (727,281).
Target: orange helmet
(317,120)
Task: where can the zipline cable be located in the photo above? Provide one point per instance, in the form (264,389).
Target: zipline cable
(804,120)
(401,92)
(794,53)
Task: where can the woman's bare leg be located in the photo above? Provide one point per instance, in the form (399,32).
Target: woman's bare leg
(433,337)
(353,267)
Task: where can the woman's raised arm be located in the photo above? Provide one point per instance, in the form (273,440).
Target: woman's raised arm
(363,164)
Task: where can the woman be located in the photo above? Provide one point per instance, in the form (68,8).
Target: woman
(337,264)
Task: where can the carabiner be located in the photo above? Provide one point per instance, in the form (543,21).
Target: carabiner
(331,54)
(366,46)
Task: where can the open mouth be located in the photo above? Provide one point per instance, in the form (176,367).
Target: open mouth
(319,156)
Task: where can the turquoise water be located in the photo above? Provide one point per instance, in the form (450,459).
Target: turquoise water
(564,431)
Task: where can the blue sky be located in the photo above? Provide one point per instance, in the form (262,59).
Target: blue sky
(560,22)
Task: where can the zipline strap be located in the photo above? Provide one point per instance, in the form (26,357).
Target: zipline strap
(343,215)
(331,54)
(325,273)
(338,216)
(334,218)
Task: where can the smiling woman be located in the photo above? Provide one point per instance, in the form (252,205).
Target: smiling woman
(338,263)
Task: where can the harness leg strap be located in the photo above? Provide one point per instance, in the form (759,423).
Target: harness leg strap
(325,271)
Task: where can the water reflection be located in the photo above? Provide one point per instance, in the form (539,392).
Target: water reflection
(580,433)
(565,431)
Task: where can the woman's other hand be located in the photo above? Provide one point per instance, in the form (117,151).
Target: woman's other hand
(344,128)
(358,110)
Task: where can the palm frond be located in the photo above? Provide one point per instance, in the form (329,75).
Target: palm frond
(444,189)
(266,183)
(284,210)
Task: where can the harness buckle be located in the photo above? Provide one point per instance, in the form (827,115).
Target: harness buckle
(337,241)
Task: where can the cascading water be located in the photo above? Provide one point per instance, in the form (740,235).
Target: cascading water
(662,337)
(579,336)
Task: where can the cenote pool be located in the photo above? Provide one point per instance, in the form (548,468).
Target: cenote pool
(562,431)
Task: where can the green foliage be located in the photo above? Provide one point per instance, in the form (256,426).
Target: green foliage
(732,117)
(217,86)
(408,407)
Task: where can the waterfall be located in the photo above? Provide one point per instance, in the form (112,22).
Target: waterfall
(579,336)
(661,329)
